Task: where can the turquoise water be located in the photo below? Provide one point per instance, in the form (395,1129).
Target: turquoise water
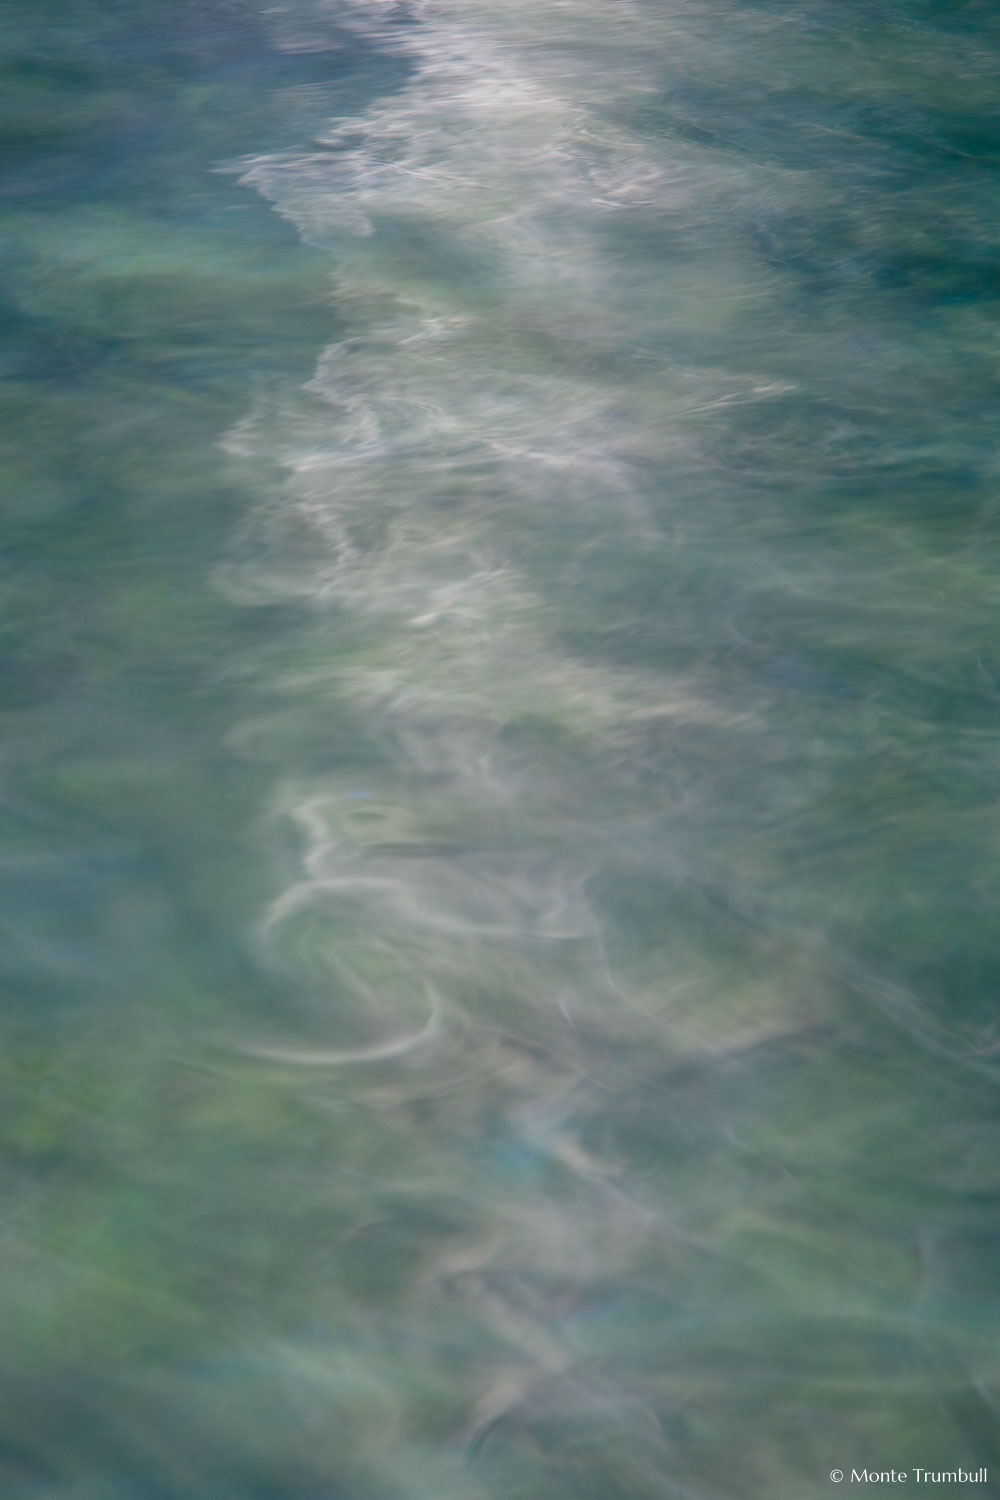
(499,793)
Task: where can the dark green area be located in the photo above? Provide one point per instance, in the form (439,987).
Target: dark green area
(147,301)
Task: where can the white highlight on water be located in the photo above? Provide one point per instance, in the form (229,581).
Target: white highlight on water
(472,404)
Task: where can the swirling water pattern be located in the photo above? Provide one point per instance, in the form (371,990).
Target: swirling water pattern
(609,1104)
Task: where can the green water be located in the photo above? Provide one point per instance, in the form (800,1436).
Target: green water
(499,683)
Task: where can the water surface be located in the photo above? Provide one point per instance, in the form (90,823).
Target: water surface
(500,720)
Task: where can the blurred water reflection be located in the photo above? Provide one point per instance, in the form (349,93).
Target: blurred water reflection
(499,686)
